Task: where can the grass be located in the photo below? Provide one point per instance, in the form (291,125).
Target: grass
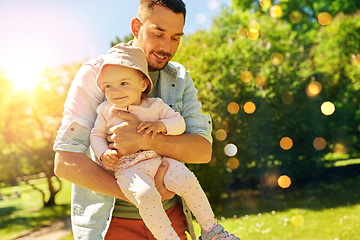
(325,207)
(21,214)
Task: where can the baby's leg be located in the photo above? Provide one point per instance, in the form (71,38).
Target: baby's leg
(182,181)
(137,183)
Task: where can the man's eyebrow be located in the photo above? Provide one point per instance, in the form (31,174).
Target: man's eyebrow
(163,30)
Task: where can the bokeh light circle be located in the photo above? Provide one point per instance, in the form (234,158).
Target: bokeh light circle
(65,80)
(287,97)
(357,60)
(254,25)
(230,149)
(47,86)
(212,4)
(324,18)
(265,3)
(200,18)
(297,220)
(327,108)
(246,76)
(314,88)
(286,143)
(284,181)
(340,148)
(260,80)
(25,197)
(253,34)
(319,143)
(233,108)
(249,107)
(276,58)
(233,163)
(220,134)
(276,11)
(296,16)
(241,33)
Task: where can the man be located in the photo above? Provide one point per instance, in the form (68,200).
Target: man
(157,29)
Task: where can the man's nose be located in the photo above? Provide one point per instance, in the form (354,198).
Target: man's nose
(165,45)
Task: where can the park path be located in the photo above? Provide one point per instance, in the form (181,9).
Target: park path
(53,231)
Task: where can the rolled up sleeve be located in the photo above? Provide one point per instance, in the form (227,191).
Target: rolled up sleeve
(196,122)
(80,111)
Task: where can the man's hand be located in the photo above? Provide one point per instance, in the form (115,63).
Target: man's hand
(124,137)
(152,127)
(159,181)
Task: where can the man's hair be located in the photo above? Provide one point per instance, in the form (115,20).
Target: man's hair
(146,7)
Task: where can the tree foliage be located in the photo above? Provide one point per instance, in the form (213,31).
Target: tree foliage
(228,67)
(30,121)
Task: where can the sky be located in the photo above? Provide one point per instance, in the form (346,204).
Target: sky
(47,33)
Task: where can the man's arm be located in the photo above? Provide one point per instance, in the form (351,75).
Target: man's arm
(188,148)
(82,171)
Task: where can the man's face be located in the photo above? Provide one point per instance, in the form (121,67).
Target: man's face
(159,36)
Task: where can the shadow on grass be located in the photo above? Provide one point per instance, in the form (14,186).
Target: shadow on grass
(5,211)
(32,219)
(334,188)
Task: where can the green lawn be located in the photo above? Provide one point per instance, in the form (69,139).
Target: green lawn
(18,215)
(326,207)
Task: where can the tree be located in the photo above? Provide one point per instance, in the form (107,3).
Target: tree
(28,129)
(251,57)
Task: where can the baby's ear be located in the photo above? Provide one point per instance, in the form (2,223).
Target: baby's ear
(145,84)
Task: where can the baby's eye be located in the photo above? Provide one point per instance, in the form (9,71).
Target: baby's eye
(107,86)
(124,83)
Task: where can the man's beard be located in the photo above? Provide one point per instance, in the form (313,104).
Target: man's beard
(155,67)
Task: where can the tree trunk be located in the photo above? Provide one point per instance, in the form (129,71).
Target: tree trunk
(52,190)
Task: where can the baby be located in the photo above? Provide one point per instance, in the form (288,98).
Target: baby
(124,79)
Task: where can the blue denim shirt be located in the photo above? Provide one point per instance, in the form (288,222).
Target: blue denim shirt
(91,212)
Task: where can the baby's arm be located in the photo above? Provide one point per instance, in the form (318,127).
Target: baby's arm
(109,158)
(154,127)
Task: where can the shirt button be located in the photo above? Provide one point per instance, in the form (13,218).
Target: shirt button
(173,85)
(72,129)
(170,105)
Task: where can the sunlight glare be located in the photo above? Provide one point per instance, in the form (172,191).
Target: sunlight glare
(23,76)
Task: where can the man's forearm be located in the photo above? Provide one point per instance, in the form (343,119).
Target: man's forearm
(188,148)
(82,171)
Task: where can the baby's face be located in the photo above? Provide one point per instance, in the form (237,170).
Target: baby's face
(123,86)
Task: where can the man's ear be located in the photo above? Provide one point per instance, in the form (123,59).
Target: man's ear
(135,27)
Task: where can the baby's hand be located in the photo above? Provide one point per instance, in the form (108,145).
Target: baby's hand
(109,158)
(154,127)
